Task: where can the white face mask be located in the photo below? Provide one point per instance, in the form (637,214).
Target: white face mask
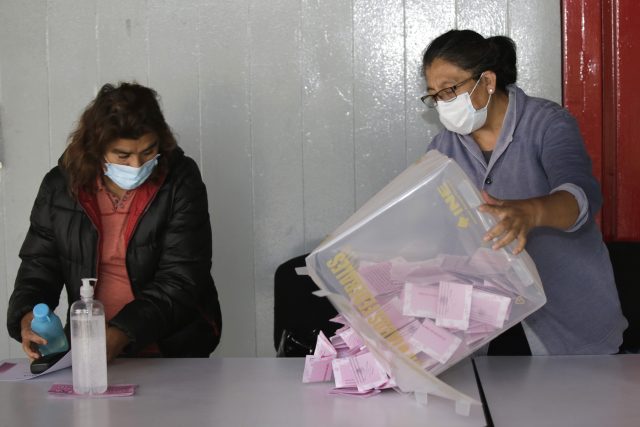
(129,177)
(460,116)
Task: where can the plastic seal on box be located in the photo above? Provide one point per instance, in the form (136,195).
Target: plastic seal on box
(424,229)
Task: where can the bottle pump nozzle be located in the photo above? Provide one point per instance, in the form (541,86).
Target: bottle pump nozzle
(86,290)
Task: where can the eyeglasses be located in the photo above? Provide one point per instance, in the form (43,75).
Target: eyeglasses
(447,94)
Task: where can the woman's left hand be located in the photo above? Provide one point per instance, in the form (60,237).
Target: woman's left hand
(515,219)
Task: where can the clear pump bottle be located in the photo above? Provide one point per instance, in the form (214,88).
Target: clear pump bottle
(48,325)
(88,343)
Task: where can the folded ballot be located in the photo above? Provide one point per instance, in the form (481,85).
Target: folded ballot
(416,285)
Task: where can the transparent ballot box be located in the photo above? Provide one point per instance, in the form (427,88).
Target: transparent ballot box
(411,274)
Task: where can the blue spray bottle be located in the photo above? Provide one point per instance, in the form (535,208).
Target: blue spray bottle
(48,325)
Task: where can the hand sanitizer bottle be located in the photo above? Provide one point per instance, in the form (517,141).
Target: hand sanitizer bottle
(88,343)
(46,324)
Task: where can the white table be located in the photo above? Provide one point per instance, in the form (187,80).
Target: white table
(227,392)
(562,391)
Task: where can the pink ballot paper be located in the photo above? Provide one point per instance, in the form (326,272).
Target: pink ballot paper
(454,305)
(393,309)
(324,347)
(351,391)
(435,341)
(316,369)
(367,372)
(115,390)
(489,308)
(343,373)
(350,337)
(378,277)
(420,300)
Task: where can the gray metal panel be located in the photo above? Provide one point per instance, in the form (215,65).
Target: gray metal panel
(25,126)
(73,66)
(327,118)
(424,22)
(487,17)
(72,63)
(5,288)
(173,69)
(277,149)
(379,91)
(122,38)
(535,27)
(226,168)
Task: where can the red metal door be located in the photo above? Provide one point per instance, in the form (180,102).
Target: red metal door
(602,89)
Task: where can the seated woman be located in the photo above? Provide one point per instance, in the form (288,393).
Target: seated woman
(127,206)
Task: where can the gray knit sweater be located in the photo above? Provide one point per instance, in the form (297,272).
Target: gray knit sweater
(539,151)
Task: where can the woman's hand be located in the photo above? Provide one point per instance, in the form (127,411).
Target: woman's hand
(517,217)
(30,340)
(116,342)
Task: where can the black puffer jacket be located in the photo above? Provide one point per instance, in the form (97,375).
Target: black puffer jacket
(168,262)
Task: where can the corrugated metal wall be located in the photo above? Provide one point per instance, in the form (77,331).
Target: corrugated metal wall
(297,111)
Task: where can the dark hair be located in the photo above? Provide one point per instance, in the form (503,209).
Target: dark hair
(129,111)
(472,52)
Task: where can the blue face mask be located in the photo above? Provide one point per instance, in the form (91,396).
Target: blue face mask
(128,177)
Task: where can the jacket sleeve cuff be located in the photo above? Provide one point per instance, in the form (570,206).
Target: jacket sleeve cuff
(583,204)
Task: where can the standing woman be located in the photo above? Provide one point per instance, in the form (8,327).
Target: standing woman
(127,206)
(527,157)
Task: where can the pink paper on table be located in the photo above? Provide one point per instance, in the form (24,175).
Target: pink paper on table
(351,338)
(115,390)
(348,352)
(317,369)
(343,373)
(338,342)
(324,347)
(420,300)
(354,392)
(489,308)
(5,366)
(390,383)
(367,372)
(435,341)
(454,305)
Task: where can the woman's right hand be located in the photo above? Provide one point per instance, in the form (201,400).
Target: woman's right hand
(30,340)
